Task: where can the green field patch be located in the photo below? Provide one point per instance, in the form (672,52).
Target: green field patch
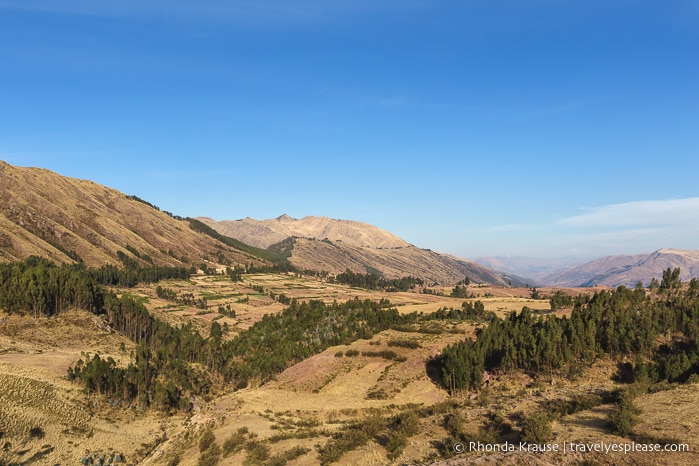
(215,296)
(138,299)
(296,286)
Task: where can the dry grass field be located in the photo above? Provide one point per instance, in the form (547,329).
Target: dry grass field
(45,419)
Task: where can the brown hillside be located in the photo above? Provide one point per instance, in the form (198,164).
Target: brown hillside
(393,263)
(334,246)
(46,214)
(264,233)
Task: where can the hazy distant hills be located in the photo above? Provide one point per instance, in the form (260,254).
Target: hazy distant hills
(627,270)
(332,245)
(64,219)
(535,269)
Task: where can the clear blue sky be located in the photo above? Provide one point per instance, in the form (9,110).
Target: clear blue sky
(523,127)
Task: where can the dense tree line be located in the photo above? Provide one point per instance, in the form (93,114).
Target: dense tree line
(372,281)
(300,331)
(662,330)
(130,276)
(468,311)
(281,267)
(39,287)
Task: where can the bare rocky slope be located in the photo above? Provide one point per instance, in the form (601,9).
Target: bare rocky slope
(326,244)
(627,270)
(66,219)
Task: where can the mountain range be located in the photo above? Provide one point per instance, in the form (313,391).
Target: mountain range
(627,270)
(322,243)
(534,268)
(67,220)
(613,271)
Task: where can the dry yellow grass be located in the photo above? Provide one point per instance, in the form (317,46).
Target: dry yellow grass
(308,401)
(34,394)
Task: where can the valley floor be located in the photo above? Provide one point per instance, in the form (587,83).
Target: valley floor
(300,417)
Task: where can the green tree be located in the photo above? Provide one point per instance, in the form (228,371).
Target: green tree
(671,279)
(625,417)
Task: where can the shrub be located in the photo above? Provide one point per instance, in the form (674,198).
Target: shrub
(206,440)
(536,429)
(210,456)
(282,458)
(410,344)
(257,451)
(397,440)
(345,441)
(234,443)
(408,423)
(625,417)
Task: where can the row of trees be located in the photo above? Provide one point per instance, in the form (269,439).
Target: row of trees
(469,311)
(662,331)
(371,281)
(127,277)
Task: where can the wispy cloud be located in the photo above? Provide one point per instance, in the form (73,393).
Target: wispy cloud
(667,213)
(626,228)
(632,227)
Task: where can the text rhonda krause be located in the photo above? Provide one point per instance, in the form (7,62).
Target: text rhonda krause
(573,447)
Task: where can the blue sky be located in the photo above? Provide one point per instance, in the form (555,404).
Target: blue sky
(532,127)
